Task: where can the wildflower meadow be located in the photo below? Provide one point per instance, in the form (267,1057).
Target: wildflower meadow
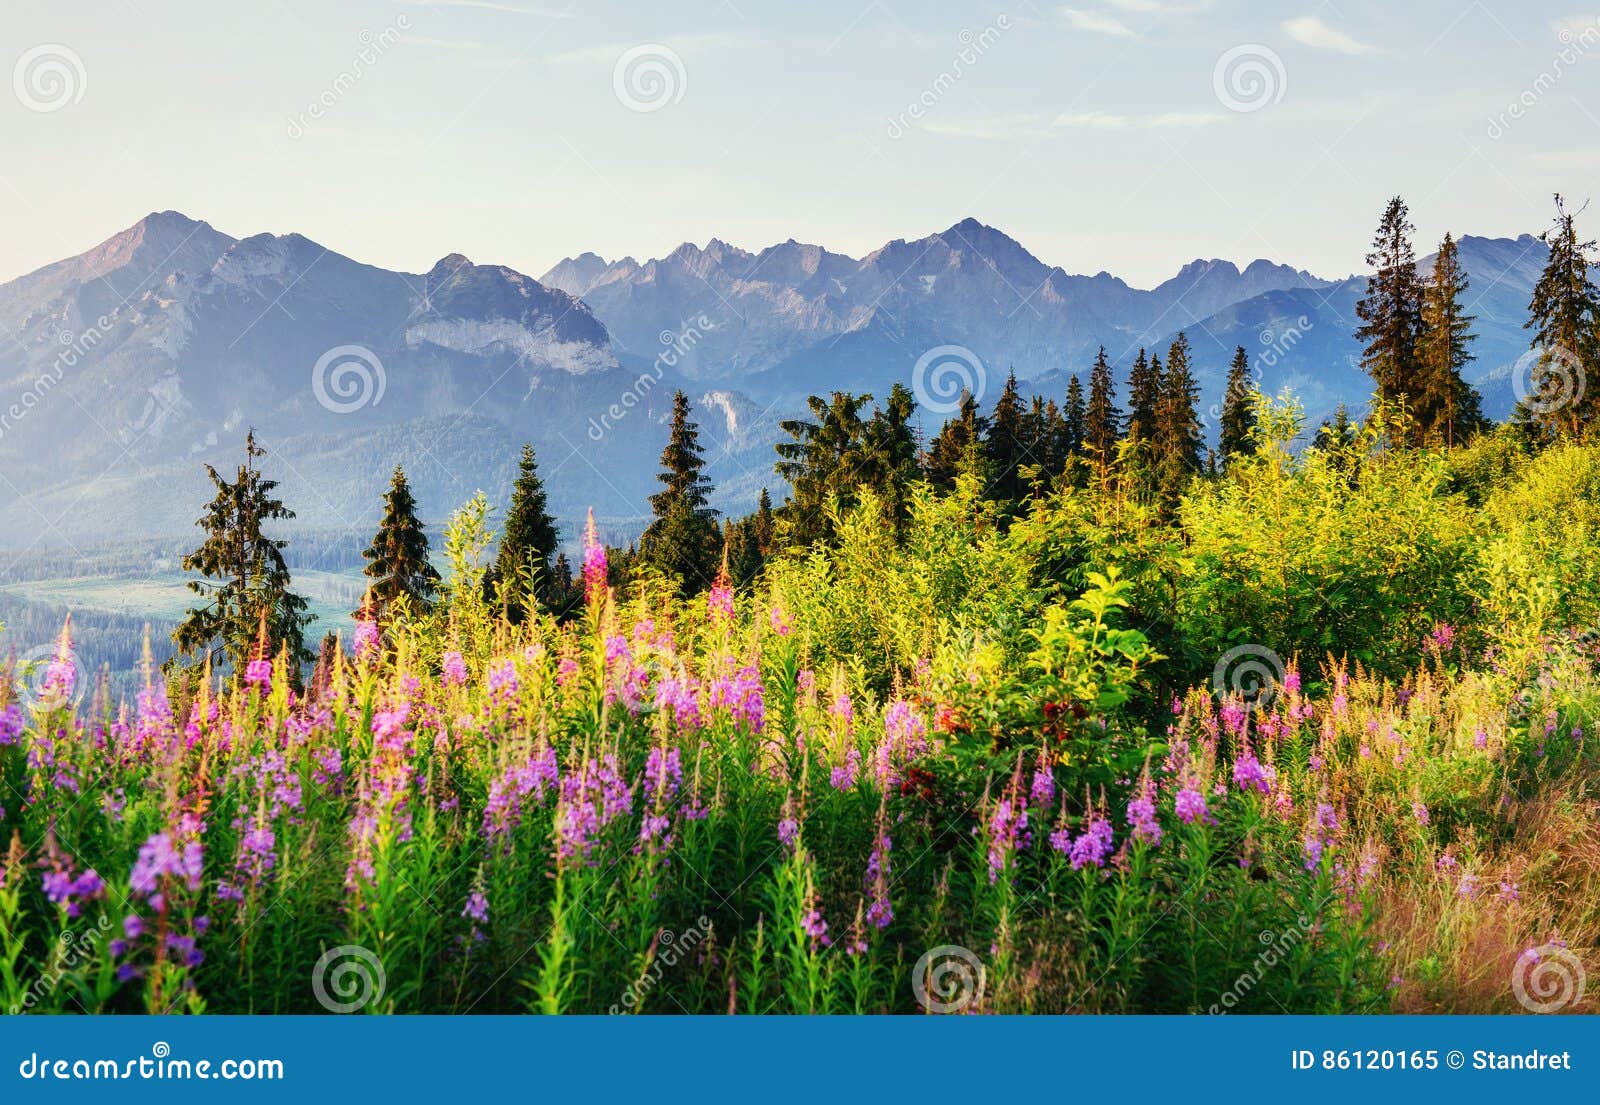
(1315,736)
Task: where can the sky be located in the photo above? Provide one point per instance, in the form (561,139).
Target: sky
(1129,136)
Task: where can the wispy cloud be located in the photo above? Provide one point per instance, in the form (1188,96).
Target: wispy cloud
(1103,120)
(1311,31)
(692,43)
(495,6)
(1164,7)
(1098,23)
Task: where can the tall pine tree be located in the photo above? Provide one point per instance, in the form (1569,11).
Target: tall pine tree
(1391,311)
(1102,421)
(684,539)
(958,449)
(522,566)
(245,578)
(1180,437)
(823,458)
(397,560)
(1073,419)
(1564,316)
(1144,396)
(1450,410)
(1006,446)
(1236,437)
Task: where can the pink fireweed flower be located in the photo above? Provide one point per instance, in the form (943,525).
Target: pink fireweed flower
(594,562)
(1190,806)
(844,710)
(844,776)
(1420,813)
(368,641)
(11,723)
(453,669)
(258,673)
(511,790)
(879,911)
(1042,790)
(1142,813)
(1008,832)
(741,695)
(719,600)
(1249,773)
(161,858)
(1091,848)
(778,619)
(590,800)
(1442,637)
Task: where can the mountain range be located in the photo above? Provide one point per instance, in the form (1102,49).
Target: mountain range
(124,370)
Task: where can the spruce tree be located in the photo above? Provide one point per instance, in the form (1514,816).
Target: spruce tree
(887,461)
(823,458)
(765,530)
(958,449)
(1005,447)
(1073,420)
(1391,311)
(245,577)
(1451,410)
(1236,437)
(684,539)
(522,565)
(1180,437)
(1102,421)
(1564,315)
(397,559)
(1144,395)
